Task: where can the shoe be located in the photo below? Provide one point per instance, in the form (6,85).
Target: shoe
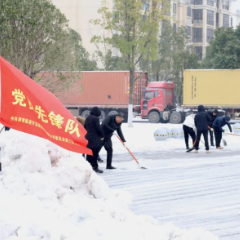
(219,148)
(208,151)
(196,151)
(100,160)
(110,167)
(97,170)
(187,148)
(212,145)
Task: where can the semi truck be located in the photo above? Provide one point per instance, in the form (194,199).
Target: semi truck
(153,100)
(109,90)
(215,89)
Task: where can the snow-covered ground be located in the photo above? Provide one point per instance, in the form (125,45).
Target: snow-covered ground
(51,194)
(140,138)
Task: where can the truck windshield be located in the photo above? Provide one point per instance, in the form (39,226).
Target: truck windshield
(149,95)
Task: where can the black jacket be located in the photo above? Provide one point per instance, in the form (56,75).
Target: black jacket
(202,119)
(93,128)
(109,125)
(212,117)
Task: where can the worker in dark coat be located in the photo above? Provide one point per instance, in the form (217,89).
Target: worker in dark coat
(82,120)
(109,125)
(202,120)
(213,116)
(94,136)
(217,127)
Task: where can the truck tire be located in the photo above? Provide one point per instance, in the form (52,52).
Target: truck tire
(103,116)
(154,117)
(85,114)
(175,117)
(113,112)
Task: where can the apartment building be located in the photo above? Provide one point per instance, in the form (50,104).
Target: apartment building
(201,18)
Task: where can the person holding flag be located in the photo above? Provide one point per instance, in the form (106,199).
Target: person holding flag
(94,136)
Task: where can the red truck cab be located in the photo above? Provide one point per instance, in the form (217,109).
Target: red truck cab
(157,104)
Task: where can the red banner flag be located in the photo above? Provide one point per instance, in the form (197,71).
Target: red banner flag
(28,107)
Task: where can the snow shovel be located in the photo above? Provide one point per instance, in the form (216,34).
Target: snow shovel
(130,152)
(190,149)
(224,141)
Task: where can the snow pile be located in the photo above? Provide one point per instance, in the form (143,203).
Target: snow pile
(51,194)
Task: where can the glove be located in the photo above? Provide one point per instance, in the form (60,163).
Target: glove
(211,129)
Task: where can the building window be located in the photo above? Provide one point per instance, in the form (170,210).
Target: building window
(210,2)
(145,5)
(217,19)
(217,4)
(189,11)
(225,20)
(175,27)
(210,34)
(197,16)
(189,31)
(210,17)
(198,51)
(197,2)
(174,8)
(197,35)
(225,4)
(116,17)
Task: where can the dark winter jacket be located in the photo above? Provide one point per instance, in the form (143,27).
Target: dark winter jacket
(202,119)
(109,125)
(221,122)
(213,117)
(93,128)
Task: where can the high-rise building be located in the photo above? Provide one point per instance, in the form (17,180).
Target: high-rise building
(201,18)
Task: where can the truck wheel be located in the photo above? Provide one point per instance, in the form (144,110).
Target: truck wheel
(175,117)
(103,116)
(85,114)
(112,113)
(154,117)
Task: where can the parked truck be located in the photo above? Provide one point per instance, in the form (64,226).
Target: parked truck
(109,90)
(214,89)
(211,88)
(153,100)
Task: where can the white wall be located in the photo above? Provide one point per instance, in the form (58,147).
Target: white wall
(79,13)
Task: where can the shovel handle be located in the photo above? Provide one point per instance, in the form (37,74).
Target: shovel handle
(127,148)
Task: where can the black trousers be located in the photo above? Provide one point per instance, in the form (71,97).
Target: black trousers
(218,137)
(93,159)
(109,149)
(211,137)
(205,135)
(188,131)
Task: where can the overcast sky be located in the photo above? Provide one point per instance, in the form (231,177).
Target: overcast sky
(235,5)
